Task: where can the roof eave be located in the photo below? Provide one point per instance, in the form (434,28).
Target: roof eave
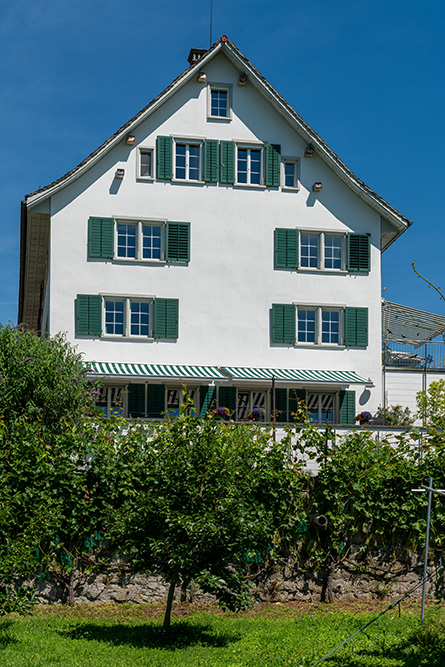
(39,196)
(391,215)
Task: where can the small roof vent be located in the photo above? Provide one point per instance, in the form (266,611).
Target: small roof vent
(195,55)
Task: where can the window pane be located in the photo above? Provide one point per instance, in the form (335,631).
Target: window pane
(309,251)
(242,165)
(330,326)
(243,405)
(114,317)
(289,174)
(255,167)
(151,241)
(312,402)
(219,103)
(332,252)
(140,318)
(173,402)
(306,326)
(126,240)
(327,408)
(145,163)
(180,161)
(194,163)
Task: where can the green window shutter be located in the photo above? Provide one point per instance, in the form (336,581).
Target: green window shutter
(136,400)
(166,318)
(101,237)
(283,323)
(227,398)
(211,162)
(177,242)
(155,400)
(88,315)
(227,162)
(273,162)
(295,395)
(281,404)
(164,157)
(356,327)
(347,407)
(286,248)
(206,395)
(359,252)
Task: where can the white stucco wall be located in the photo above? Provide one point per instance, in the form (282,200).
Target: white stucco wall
(401,386)
(226,291)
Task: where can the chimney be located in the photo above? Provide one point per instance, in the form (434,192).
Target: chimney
(195,55)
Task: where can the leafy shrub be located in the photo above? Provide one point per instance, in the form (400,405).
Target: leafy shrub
(396,415)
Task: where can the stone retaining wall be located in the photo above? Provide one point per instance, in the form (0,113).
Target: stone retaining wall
(281,583)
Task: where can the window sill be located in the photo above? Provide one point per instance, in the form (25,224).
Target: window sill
(319,346)
(342,272)
(142,339)
(225,119)
(150,179)
(185,181)
(250,186)
(150,262)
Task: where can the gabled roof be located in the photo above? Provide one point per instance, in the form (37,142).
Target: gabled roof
(397,221)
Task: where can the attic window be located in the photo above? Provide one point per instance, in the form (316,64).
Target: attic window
(218,102)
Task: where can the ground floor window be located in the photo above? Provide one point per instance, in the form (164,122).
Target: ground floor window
(176,396)
(251,405)
(320,408)
(111,401)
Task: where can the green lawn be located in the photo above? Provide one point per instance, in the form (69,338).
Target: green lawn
(270,635)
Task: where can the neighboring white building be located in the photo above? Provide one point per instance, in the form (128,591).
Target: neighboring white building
(215,240)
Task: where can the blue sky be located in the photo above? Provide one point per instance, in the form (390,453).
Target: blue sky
(367,76)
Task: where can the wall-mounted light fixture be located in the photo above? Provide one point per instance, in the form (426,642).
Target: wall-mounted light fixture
(130,139)
(308,151)
(120,173)
(202,77)
(317,186)
(242,79)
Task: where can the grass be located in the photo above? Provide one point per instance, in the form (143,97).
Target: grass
(291,635)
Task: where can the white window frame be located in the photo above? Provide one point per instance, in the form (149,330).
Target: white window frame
(139,176)
(318,324)
(188,142)
(127,300)
(108,389)
(139,239)
(249,147)
(296,162)
(335,405)
(219,87)
(250,407)
(182,398)
(321,251)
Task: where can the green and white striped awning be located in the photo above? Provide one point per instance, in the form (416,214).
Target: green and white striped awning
(235,373)
(157,371)
(295,375)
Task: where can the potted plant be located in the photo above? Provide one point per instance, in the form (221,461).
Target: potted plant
(363,417)
(257,415)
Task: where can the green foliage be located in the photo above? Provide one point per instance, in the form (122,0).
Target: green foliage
(41,379)
(396,415)
(198,495)
(431,405)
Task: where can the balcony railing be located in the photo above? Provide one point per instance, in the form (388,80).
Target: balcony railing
(429,356)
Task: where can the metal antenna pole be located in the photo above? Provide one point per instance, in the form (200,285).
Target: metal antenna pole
(211,21)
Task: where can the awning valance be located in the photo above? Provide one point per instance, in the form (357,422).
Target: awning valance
(295,375)
(158,371)
(224,373)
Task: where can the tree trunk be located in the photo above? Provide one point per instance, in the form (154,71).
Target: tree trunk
(171,592)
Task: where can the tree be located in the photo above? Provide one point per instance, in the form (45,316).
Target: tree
(50,516)
(431,405)
(198,498)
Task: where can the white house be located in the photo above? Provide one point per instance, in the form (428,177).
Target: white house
(215,241)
